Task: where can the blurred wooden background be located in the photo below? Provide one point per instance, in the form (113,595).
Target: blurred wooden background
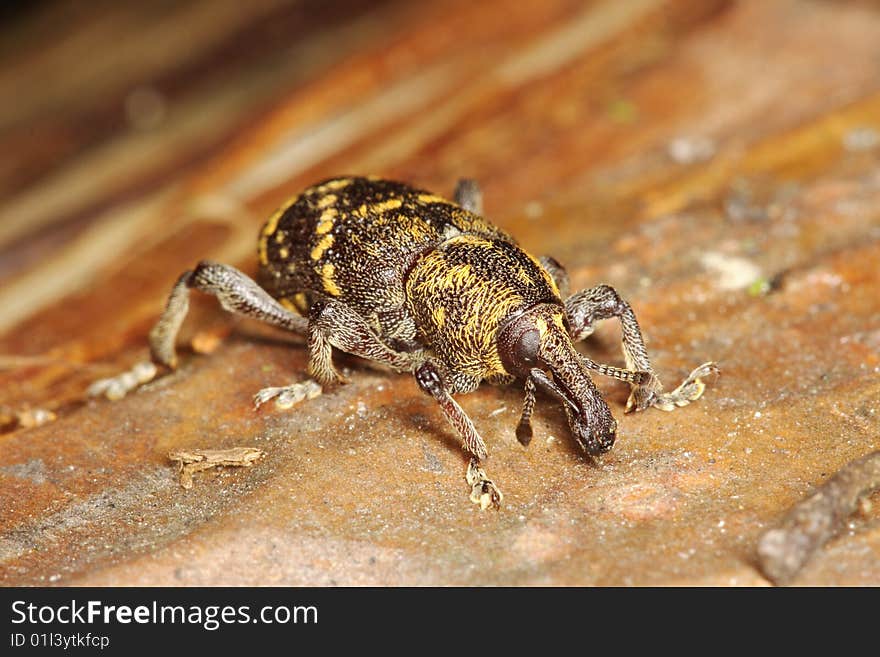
(630,139)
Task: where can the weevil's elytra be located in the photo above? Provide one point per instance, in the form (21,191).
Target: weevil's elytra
(426,285)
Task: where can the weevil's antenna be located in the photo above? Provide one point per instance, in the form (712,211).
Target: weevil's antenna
(524,428)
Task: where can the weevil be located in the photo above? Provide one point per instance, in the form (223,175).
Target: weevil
(425,285)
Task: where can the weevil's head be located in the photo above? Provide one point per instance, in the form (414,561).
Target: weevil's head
(537,344)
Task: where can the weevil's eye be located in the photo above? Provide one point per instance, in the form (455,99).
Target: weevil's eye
(526,348)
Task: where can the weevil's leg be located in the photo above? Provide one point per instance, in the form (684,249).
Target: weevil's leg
(333,324)
(587,307)
(429,376)
(557,273)
(483,490)
(524,431)
(469,196)
(287,396)
(236,293)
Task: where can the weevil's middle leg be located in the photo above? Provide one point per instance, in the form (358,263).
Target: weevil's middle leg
(333,324)
(429,376)
(587,307)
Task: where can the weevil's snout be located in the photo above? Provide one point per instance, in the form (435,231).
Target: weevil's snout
(537,345)
(594,435)
(589,418)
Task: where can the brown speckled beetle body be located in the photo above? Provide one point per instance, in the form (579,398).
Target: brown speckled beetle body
(422,284)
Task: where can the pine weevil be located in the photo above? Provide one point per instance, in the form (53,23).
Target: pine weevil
(425,285)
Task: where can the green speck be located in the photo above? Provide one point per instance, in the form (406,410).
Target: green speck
(623,111)
(759,288)
(267,368)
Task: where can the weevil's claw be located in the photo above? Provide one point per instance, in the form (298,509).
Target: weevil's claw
(483,490)
(287,396)
(116,387)
(690,390)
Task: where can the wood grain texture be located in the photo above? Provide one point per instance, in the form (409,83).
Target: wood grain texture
(666,147)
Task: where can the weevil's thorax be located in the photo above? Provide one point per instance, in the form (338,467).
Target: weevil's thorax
(464,290)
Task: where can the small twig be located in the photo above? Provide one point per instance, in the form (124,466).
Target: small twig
(195,460)
(783,550)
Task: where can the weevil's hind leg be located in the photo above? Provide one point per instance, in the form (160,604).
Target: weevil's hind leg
(236,293)
(429,376)
(587,307)
(557,273)
(469,196)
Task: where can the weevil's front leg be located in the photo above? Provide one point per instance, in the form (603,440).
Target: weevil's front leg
(429,376)
(587,307)
(236,293)
(468,195)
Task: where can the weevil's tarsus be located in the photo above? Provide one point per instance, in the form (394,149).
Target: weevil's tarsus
(484,492)
(689,390)
(116,387)
(288,396)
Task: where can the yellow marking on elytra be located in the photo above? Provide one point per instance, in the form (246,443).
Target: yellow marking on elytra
(279,236)
(334,185)
(291,267)
(272,224)
(284,253)
(326,220)
(327,273)
(325,243)
(384,206)
(299,299)
(287,303)
(432,198)
(269,228)
(327,201)
(261,250)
